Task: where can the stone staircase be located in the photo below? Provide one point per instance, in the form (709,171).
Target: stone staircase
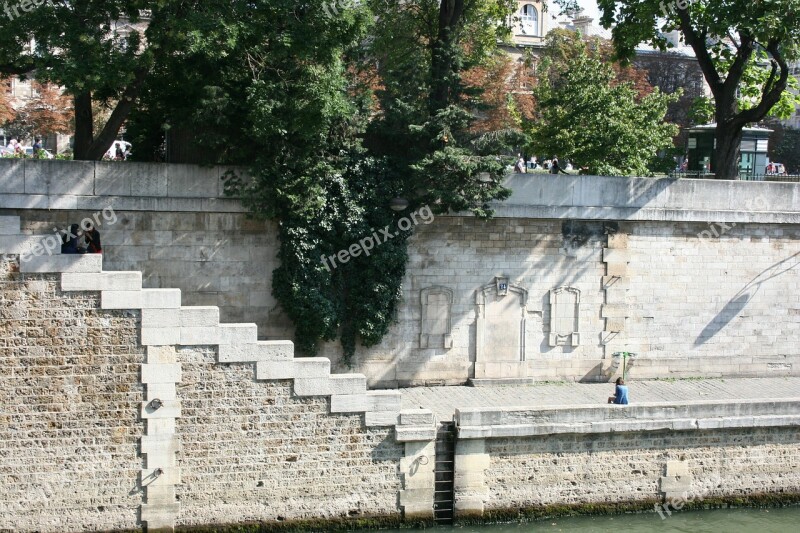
(166,325)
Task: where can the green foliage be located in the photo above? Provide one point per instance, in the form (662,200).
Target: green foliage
(290,94)
(702,110)
(784,147)
(78,48)
(744,48)
(587,118)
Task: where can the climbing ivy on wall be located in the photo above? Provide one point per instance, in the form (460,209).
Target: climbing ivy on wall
(335,113)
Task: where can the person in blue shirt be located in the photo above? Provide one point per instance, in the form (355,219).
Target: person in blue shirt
(620,393)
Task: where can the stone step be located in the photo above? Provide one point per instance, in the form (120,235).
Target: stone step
(31,245)
(259,351)
(198,317)
(105,281)
(307,367)
(142,299)
(9,226)
(335,384)
(88,263)
(238,334)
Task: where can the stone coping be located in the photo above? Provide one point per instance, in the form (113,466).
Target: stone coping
(128,186)
(582,419)
(625,198)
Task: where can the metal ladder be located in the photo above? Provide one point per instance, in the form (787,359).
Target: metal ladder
(443,502)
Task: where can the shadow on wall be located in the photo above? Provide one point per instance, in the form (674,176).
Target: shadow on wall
(743,297)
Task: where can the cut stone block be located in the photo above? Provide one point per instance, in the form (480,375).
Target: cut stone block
(196,317)
(160,318)
(105,281)
(160,496)
(417,417)
(161,373)
(616,255)
(160,426)
(152,478)
(238,333)
(349,403)
(160,516)
(168,409)
(161,336)
(384,401)
(382,418)
(9,225)
(336,384)
(161,391)
(312,367)
(615,311)
(30,245)
(153,443)
(161,299)
(121,299)
(63,263)
(414,433)
(199,336)
(260,351)
(12,179)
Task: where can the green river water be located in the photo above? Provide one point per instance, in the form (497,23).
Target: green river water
(784,520)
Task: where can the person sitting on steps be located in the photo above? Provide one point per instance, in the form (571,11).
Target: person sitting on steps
(620,393)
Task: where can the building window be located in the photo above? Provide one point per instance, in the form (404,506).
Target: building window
(529,20)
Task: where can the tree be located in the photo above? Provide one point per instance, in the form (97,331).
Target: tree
(728,38)
(49,111)
(89,49)
(7,112)
(588,117)
(784,147)
(335,114)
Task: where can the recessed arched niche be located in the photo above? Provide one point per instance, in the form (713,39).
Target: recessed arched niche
(500,330)
(436,318)
(565,303)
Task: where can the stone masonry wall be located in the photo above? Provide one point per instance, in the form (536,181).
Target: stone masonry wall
(692,304)
(69,409)
(655,267)
(691,300)
(464,254)
(253,451)
(732,297)
(218,259)
(630,467)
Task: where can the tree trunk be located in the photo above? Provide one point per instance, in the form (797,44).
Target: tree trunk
(88,148)
(84,128)
(728,136)
(443,54)
(726,155)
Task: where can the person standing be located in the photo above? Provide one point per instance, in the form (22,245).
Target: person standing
(520,166)
(37,147)
(555,168)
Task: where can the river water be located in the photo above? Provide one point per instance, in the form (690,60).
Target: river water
(784,520)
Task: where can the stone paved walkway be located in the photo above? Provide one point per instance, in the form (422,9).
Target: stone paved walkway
(443,401)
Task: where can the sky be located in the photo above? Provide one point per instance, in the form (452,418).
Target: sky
(590,8)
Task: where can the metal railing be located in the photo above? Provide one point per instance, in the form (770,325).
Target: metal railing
(696,174)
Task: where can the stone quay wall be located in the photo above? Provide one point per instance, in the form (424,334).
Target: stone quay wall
(76,419)
(123,409)
(653,456)
(697,278)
